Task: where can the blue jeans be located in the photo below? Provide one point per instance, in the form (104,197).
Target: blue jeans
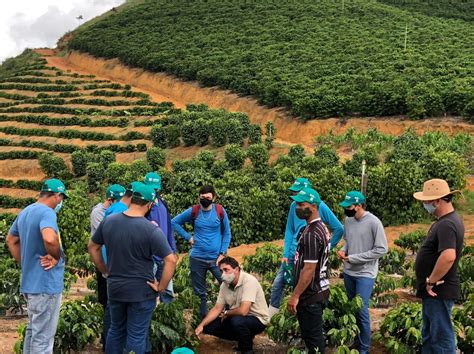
(437,333)
(43,316)
(363,287)
(166,296)
(199,268)
(278,287)
(129,327)
(240,328)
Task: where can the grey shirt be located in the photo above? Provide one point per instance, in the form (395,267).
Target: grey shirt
(97,215)
(365,243)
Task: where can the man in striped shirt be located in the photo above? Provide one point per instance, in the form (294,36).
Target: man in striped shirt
(311,290)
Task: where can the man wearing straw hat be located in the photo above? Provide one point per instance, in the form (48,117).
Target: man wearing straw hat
(436,264)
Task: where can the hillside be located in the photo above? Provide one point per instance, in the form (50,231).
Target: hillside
(316,58)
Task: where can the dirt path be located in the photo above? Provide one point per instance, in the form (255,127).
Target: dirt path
(164,87)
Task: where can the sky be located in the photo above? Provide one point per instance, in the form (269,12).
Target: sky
(40,23)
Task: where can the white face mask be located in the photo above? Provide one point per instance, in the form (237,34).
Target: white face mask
(228,278)
(58,207)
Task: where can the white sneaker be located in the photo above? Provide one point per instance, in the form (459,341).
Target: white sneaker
(272,311)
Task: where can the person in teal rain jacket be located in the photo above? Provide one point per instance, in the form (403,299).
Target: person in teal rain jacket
(293,227)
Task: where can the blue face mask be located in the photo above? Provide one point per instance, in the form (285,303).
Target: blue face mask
(430,208)
(58,207)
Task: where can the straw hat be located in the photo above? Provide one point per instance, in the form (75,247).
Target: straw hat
(434,189)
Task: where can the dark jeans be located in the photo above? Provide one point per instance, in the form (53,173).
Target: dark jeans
(199,268)
(103,299)
(310,318)
(129,327)
(437,333)
(361,286)
(240,328)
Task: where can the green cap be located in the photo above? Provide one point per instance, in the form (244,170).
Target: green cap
(153,179)
(352,198)
(300,184)
(308,195)
(115,191)
(144,192)
(133,186)
(54,185)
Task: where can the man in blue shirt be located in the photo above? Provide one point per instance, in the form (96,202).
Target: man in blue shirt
(123,204)
(131,242)
(113,194)
(293,227)
(209,242)
(160,216)
(34,242)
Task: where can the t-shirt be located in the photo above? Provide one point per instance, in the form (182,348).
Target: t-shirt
(447,232)
(313,247)
(97,215)
(28,226)
(247,289)
(131,242)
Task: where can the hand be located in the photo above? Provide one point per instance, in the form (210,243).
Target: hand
(342,255)
(199,329)
(429,288)
(155,285)
(221,256)
(292,303)
(48,262)
(191,240)
(223,315)
(284,260)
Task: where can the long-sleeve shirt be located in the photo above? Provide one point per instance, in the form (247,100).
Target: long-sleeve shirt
(160,215)
(294,224)
(209,241)
(365,243)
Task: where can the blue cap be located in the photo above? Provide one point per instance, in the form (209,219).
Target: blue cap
(153,179)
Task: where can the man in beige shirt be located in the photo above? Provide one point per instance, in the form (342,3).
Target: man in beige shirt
(241,311)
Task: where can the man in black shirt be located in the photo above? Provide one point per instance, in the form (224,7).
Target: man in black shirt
(131,241)
(311,290)
(436,264)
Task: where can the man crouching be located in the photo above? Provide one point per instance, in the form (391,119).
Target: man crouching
(241,311)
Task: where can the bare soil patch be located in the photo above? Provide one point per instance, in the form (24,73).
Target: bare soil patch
(21,169)
(19,193)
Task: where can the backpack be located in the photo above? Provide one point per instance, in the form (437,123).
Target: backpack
(219,211)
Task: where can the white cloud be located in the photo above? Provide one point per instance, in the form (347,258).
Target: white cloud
(40,23)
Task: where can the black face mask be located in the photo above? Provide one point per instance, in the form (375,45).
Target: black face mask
(350,212)
(205,202)
(303,213)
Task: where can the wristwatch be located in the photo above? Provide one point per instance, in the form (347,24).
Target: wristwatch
(428,282)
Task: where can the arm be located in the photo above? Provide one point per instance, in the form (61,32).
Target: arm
(13,244)
(51,242)
(226,236)
(289,231)
(379,249)
(96,255)
(306,276)
(168,270)
(328,217)
(242,310)
(211,316)
(443,265)
(179,220)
